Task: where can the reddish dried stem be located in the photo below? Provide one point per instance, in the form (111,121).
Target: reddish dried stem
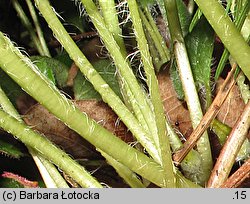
(86,35)
(230,150)
(238,177)
(208,117)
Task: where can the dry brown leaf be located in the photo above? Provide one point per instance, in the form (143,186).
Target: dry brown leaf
(233,106)
(174,109)
(44,122)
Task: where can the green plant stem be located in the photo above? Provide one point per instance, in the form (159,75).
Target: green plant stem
(38,28)
(45,167)
(25,74)
(160,137)
(162,48)
(239,21)
(230,150)
(244,88)
(7,106)
(129,176)
(191,96)
(99,84)
(28,25)
(111,19)
(137,96)
(228,33)
(112,22)
(195,19)
(51,177)
(47,149)
(157,41)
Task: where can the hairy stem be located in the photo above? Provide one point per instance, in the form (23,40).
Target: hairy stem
(191,95)
(51,177)
(137,96)
(45,167)
(47,149)
(160,136)
(27,76)
(228,33)
(129,176)
(99,84)
(38,28)
(111,19)
(28,25)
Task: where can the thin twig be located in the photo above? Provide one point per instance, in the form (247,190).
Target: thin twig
(86,35)
(208,117)
(230,150)
(238,177)
(54,43)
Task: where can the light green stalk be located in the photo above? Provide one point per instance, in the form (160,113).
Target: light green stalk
(157,50)
(129,176)
(29,27)
(160,136)
(158,40)
(137,97)
(111,19)
(47,149)
(228,33)
(51,177)
(38,28)
(239,21)
(99,84)
(112,22)
(42,164)
(27,76)
(191,95)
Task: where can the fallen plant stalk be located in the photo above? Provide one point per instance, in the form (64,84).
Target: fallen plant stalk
(238,177)
(230,150)
(208,117)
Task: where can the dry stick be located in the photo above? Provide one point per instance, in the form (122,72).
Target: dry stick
(55,43)
(230,150)
(208,117)
(238,177)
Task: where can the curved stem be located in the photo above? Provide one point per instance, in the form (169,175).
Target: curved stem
(45,167)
